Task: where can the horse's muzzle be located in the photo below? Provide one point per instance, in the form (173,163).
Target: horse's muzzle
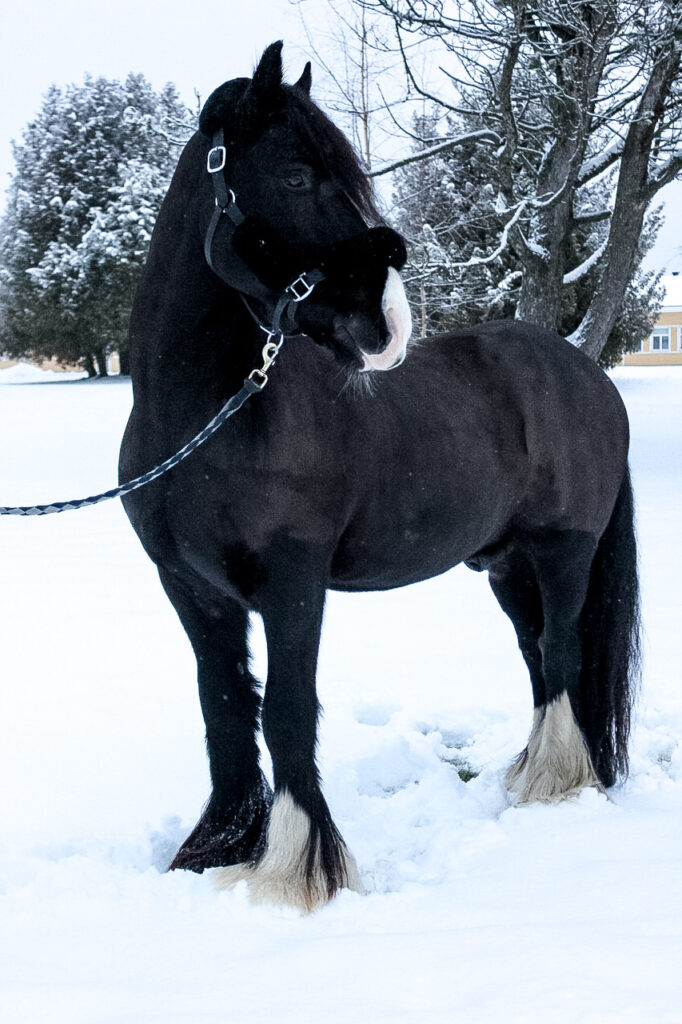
(396,311)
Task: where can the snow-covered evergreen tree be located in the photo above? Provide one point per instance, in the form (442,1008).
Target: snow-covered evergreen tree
(445,208)
(91,172)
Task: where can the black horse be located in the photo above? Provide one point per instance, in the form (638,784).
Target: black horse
(500,446)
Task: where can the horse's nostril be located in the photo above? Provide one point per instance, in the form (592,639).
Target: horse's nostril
(361,333)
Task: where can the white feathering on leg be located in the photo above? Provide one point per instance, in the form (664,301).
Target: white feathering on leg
(515,770)
(558,764)
(281,877)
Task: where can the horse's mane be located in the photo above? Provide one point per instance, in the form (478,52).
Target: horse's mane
(297,111)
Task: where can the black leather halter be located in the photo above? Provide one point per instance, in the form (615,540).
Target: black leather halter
(226,207)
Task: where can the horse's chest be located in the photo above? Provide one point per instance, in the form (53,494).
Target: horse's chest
(222,524)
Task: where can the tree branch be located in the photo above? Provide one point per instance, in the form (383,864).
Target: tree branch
(664,175)
(581,219)
(584,268)
(479,261)
(484,135)
(596,165)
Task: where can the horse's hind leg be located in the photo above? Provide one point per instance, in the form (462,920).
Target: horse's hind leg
(513,582)
(558,763)
(231,830)
(305,860)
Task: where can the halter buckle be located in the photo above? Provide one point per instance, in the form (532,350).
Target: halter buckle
(217,158)
(305,286)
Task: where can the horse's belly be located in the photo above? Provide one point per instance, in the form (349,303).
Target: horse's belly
(380,576)
(378,555)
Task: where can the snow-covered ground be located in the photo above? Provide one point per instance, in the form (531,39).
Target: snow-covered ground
(475,910)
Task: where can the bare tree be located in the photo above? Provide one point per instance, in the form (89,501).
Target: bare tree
(569,95)
(358,76)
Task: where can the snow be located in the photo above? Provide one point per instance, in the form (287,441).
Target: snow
(27,373)
(475,910)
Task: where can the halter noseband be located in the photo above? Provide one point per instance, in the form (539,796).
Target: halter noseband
(226,205)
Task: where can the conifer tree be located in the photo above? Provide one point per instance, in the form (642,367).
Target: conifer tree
(91,171)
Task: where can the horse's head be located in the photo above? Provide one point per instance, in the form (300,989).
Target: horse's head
(303,203)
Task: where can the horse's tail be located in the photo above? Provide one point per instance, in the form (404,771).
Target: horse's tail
(611,642)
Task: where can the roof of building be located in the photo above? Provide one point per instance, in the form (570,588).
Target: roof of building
(673,290)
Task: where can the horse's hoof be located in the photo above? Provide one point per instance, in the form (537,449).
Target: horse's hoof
(556,764)
(287,875)
(228,838)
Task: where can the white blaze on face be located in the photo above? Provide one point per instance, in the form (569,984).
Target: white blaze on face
(396,310)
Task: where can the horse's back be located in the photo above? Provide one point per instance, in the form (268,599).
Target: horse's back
(529,366)
(546,398)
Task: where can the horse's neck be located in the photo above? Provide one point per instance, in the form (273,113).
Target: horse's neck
(193,342)
(189,333)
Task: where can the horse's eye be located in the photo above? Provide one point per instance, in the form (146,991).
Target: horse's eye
(295,180)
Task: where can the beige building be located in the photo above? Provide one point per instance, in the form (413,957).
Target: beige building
(663,347)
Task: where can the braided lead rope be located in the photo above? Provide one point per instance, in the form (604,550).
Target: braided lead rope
(294,293)
(251,386)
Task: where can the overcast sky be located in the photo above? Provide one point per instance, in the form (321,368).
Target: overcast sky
(197,44)
(194,43)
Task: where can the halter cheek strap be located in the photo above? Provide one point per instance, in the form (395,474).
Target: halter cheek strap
(226,206)
(225,199)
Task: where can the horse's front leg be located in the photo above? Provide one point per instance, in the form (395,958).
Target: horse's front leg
(231,830)
(305,860)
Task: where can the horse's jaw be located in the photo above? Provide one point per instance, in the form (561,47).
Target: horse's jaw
(396,310)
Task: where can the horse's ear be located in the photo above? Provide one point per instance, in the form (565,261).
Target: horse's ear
(264,94)
(267,77)
(306,80)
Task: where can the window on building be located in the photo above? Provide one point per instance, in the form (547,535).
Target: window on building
(660,340)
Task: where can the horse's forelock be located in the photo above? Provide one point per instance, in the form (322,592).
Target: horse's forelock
(221,108)
(334,150)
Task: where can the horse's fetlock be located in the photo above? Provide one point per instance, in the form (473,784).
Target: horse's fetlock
(304,863)
(556,763)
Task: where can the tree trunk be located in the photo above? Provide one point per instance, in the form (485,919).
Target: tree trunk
(424,318)
(90,367)
(578,76)
(619,262)
(633,195)
(124,362)
(101,360)
(543,269)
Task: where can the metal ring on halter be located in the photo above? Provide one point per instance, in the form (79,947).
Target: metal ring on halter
(231,197)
